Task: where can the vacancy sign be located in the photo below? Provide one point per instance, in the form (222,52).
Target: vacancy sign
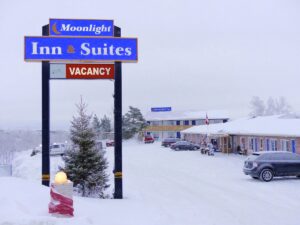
(82,71)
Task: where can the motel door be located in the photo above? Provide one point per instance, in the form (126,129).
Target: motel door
(293,146)
(255,144)
(225,141)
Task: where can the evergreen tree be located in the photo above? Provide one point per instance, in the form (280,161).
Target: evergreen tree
(97,126)
(106,127)
(84,164)
(133,122)
(106,124)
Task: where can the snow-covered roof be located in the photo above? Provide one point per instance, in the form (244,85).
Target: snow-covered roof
(186,115)
(263,126)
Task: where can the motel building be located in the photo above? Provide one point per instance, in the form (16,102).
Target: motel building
(169,124)
(268,133)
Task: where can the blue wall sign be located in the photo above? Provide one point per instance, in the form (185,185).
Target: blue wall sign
(77,27)
(92,49)
(161,109)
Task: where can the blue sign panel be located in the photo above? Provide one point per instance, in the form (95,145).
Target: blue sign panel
(161,109)
(92,49)
(75,27)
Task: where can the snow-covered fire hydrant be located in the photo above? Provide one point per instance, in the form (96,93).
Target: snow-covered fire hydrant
(61,193)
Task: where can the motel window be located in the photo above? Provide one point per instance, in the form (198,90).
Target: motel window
(251,143)
(273,144)
(171,134)
(284,145)
(261,144)
(186,122)
(169,123)
(198,122)
(267,144)
(193,122)
(178,122)
(155,123)
(243,143)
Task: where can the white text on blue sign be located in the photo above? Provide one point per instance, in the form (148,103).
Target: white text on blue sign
(161,109)
(75,27)
(80,48)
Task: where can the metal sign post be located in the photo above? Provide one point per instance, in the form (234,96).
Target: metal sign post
(118,125)
(45,117)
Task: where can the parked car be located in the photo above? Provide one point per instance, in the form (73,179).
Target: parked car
(57,149)
(110,143)
(184,145)
(54,149)
(148,139)
(100,144)
(168,141)
(269,164)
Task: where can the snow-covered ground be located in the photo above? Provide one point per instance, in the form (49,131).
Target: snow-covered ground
(161,187)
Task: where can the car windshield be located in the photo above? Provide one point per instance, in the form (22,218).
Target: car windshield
(170,139)
(182,143)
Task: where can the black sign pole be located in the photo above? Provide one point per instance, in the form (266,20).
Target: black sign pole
(45,117)
(118,194)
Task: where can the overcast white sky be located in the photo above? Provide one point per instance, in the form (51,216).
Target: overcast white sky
(193,54)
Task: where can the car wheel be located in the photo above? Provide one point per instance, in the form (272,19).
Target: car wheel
(195,148)
(266,175)
(177,148)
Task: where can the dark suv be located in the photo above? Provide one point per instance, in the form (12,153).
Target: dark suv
(168,141)
(266,165)
(184,145)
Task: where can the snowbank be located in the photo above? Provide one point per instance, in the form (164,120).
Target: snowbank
(29,167)
(162,187)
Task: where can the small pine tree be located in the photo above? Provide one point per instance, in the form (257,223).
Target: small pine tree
(133,122)
(97,126)
(84,164)
(105,126)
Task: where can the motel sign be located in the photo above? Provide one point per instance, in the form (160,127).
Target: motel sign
(81,49)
